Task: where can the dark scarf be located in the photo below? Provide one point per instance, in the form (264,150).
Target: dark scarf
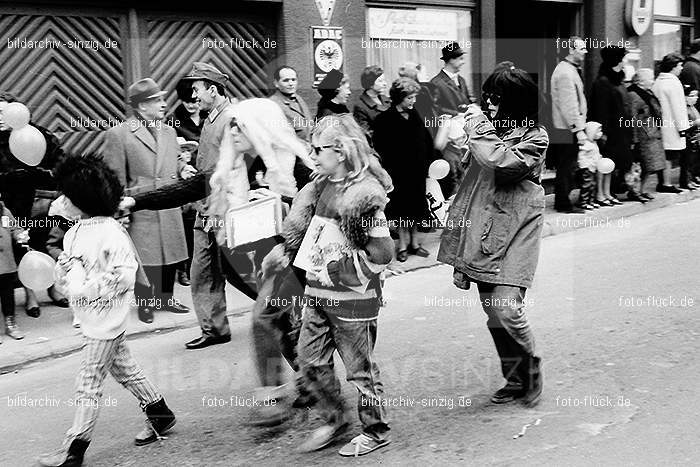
(615,77)
(649,99)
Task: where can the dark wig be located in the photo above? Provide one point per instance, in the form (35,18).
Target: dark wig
(520,98)
(89,183)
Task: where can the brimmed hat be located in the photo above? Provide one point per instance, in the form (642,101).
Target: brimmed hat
(452,50)
(144,89)
(201,70)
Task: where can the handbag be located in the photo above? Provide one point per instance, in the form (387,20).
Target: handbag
(256,220)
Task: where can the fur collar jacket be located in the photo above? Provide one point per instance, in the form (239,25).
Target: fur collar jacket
(358,205)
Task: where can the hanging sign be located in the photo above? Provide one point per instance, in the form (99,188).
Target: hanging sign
(638,15)
(327,47)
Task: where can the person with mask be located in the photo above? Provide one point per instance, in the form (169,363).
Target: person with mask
(143,151)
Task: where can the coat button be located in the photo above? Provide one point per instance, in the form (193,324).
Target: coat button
(172,176)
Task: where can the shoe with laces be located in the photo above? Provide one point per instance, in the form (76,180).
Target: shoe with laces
(11,328)
(361,445)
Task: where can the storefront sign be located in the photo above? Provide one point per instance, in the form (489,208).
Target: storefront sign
(420,25)
(638,15)
(327,46)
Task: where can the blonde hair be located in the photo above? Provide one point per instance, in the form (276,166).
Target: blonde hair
(264,124)
(349,140)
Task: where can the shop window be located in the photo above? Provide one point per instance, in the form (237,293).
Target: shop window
(397,36)
(673,26)
(672,7)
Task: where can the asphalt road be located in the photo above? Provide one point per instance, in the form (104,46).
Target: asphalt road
(615,312)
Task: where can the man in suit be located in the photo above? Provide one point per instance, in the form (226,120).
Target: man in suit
(293,106)
(569,111)
(143,151)
(450,89)
(451,96)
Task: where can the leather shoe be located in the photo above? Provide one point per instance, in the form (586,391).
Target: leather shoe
(146,314)
(175,308)
(205,341)
(183,278)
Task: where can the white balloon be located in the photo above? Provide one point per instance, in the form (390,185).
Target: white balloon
(605,165)
(36,270)
(16,115)
(439,169)
(28,145)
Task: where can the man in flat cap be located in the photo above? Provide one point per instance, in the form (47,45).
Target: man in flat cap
(143,151)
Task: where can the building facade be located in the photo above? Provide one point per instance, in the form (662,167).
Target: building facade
(71,62)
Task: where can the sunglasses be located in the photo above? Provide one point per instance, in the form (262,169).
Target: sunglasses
(234,124)
(495,99)
(318,149)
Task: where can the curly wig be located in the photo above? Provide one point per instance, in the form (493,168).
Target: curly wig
(90,184)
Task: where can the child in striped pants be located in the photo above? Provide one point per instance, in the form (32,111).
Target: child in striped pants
(98,269)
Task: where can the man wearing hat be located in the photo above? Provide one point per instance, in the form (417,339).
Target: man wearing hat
(450,88)
(450,92)
(143,151)
(207,276)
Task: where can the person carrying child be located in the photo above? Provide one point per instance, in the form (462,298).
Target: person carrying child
(98,269)
(9,231)
(343,295)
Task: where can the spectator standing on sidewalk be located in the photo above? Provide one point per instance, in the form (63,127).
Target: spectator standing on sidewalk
(19,183)
(144,151)
(669,90)
(291,103)
(646,111)
(690,75)
(425,104)
(335,92)
(373,100)
(690,155)
(569,110)
(609,105)
(9,232)
(188,120)
(451,96)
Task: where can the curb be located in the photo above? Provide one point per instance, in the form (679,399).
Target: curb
(554,224)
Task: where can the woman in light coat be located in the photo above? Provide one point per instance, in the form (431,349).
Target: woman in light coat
(493,230)
(669,90)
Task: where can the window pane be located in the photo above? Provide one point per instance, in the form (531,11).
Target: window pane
(670,38)
(672,7)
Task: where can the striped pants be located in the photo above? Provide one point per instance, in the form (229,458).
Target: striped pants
(99,357)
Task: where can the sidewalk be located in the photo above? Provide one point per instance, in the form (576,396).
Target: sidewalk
(52,335)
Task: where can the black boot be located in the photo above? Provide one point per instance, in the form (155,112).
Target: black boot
(160,420)
(531,375)
(73,457)
(510,363)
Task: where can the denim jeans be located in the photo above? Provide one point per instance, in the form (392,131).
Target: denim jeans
(509,327)
(321,335)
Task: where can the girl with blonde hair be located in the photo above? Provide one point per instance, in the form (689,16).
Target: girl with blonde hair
(343,294)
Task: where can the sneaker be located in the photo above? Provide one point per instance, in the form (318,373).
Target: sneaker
(508,393)
(361,445)
(11,328)
(323,436)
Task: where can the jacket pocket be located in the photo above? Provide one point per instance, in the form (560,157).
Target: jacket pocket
(494,237)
